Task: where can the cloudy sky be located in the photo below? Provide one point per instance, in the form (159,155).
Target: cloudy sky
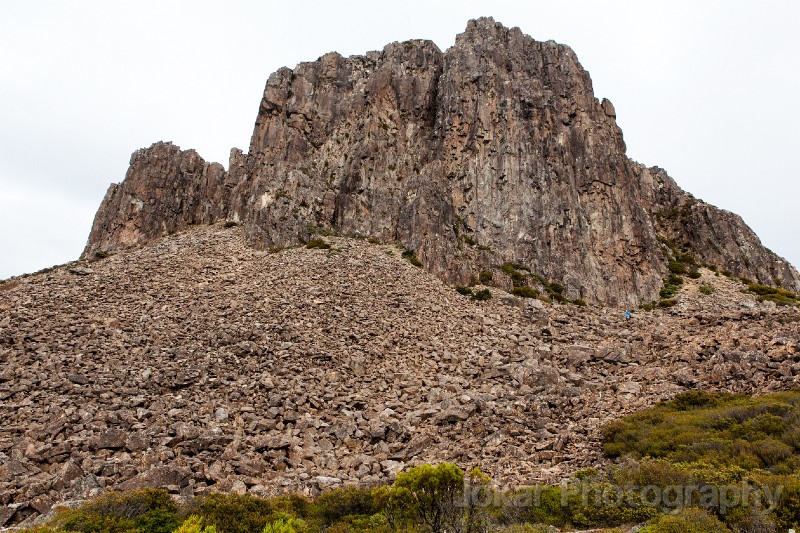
(707,90)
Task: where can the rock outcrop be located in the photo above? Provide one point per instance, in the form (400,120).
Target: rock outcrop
(199,363)
(495,150)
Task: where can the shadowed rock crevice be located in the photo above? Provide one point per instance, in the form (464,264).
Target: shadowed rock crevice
(495,150)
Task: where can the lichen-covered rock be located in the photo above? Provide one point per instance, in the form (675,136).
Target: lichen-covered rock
(495,150)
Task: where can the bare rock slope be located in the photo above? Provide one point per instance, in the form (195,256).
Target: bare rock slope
(200,363)
(495,150)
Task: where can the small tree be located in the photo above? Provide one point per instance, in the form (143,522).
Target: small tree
(478,499)
(431,496)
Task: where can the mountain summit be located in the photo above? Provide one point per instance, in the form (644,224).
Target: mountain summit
(493,151)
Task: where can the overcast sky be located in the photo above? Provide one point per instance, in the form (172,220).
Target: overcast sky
(707,90)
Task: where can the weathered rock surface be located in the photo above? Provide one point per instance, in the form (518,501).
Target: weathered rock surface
(495,150)
(200,363)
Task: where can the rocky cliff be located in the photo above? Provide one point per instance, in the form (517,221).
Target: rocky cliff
(493,151)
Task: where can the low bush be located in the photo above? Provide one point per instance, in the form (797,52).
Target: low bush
(411,257)
(525,292)
(482,295)
(216,509)
(148,510)
(773,294)
(724,430)
(676,267)
(517,278)
(318,244)
(486,277)
(707,289)
(668,291)
(466,291)
(350,504)
(689,520)
(285,524)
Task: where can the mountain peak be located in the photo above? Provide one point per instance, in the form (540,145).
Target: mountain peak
(494,151)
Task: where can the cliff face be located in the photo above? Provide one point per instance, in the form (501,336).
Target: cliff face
(495,150)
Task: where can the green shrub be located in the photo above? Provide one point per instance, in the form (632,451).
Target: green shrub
(148,510)
(687,521)
(217,509)
(558,297)
(694,274)
(686,258)
(724,430)
(555,287)
(773,294)
(486,277)
(594,504)
(667,303)
(517,278)
(676,267)
(348,503)
(695,398)
(429,495)
(411,257)
(466,291)
(482,295)
(579,302)
(771,452)
(194,524)
(373,240)
(318,244)
(100,254)
(707,289)
(525,292)
(668,291)
(285,524)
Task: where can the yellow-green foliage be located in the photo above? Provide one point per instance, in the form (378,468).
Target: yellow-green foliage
(251,513)
(773,294)
(194,524)
(687,521)
(285,524)
(717,429)
(318,243)
(590,504)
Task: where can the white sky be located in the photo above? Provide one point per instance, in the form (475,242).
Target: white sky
(707,90)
